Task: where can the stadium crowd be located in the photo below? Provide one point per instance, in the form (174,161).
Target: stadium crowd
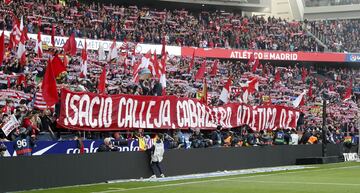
(182,27)
(20,84)
(145,25)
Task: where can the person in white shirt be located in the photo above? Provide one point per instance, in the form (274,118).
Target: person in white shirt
(294,137)
(157,155)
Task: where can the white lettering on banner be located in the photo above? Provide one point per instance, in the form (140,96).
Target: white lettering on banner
(179,110)
(91,149)
(261,117)
(94,44)
(86,111)
(350,157)
(166,113)
(148,115)
(108,112)
(282,118)
(93,122)
(83,114)
(120,120)
(264,55)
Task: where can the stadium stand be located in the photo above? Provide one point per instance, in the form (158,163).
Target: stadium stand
(22,95)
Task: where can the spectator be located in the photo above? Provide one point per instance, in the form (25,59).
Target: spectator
(279,138)
(107,146)
(294,137)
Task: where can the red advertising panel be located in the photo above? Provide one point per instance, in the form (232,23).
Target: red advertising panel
(90,111)
(263,55)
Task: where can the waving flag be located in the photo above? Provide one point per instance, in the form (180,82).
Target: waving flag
(38,46)
(225,93)
(201,72)
(214,68)
(49,89)
(300,100)
(21,52)
(70,45)
(102,81)
(83,68)
(101,53)
(113,53)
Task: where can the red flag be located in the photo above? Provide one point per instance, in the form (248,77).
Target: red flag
(58,66)
(348,92)
(251,59)
(255,66)
(192,61)
(2,47)
(53,35)
(200,73)
(70,45)
(304,74)
(310,90)
(214,68)
(277,76)
(48,86)
(204,95)
(102,79)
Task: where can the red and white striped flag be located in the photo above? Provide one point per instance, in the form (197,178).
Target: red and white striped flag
(39,102)
(21,52)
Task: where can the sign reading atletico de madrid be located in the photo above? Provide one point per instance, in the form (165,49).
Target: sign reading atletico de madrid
(90,111)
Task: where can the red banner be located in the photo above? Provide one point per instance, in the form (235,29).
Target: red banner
(90,111)
(263,54)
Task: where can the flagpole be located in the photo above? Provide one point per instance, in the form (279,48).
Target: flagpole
(323,147)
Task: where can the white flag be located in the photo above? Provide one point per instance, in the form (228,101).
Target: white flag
(101,53)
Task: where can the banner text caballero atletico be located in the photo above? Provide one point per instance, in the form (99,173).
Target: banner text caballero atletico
(93,112)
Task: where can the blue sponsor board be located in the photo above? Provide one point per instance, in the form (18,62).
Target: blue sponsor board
(352,57)
(67,147)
